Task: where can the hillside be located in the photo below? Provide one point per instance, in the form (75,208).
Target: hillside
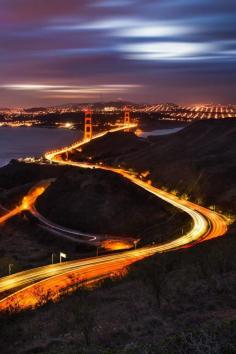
(101,202)
(19,173)
(199,161)
(111,147)
(181,302)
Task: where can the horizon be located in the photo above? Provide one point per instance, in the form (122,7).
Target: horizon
(115,102)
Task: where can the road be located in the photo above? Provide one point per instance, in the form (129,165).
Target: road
(110,242)
(27,289)
(65,230)
(27,201)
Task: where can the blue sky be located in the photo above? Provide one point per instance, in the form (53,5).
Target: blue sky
(58,51)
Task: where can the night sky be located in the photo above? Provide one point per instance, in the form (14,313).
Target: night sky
(59,51)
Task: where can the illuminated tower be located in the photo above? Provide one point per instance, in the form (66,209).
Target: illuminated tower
(88,128)
(127,117)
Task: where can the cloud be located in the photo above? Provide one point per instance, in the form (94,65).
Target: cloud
(80,45)
(152,30)
(67,91)
(176,51)
(113,3)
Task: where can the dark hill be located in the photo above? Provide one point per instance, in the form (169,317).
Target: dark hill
(200,160)
(112,146)
(101,202)
(19,173)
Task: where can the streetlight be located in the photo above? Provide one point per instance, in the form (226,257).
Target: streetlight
(136,242)
(10,268)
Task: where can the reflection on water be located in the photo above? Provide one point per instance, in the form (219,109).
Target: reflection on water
(23,142)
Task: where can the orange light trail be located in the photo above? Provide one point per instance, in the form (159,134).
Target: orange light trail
(26,203)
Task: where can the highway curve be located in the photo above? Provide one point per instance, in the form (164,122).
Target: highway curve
(36,286)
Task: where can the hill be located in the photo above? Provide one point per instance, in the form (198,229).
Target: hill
(19,173)
(199,160)
(103,203)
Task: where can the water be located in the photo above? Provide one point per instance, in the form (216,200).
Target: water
(160,132)
(23,142)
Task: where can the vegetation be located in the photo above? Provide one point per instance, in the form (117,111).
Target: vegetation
(199,161)
(20,173)
(102,202)
(188,307)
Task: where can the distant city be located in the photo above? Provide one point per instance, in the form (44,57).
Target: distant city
(57,115)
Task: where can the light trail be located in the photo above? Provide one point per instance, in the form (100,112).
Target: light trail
(23,290)
(26,203)
(107,242)
(52,155)
(56,227)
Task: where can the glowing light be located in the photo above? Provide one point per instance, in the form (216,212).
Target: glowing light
(31,197)
(116,245)
(68,125)
(26,203)
(138,132)
(145,174)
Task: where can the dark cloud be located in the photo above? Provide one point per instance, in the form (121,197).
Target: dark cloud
(179,50)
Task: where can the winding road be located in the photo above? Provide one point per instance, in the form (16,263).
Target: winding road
(36,286)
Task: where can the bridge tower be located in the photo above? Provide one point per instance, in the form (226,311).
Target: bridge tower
(127,117)
(88,127)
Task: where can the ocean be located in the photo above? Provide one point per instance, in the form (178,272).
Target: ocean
(27,141)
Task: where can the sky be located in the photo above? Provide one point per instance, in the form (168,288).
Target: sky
(57,51)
